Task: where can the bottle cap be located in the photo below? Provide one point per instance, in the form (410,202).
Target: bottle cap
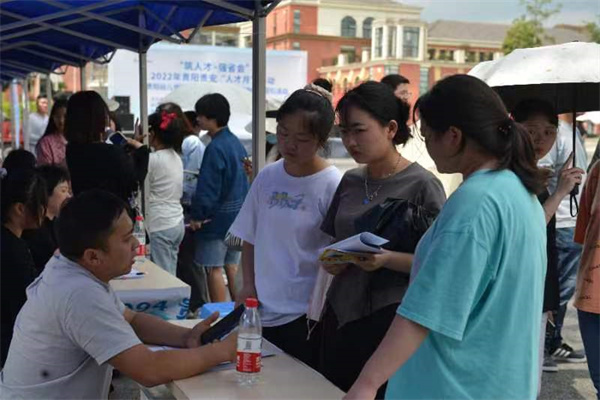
(251,302)
(139,218)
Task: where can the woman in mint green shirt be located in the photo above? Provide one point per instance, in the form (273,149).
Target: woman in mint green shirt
(468,326)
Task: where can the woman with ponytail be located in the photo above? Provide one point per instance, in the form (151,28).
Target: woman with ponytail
(469,323)
(388,190)
(164,219)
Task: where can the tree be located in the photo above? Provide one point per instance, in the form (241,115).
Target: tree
(528,30)
(594,31)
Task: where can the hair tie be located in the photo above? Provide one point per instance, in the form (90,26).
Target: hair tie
(166,119)
(319,91)
(506,127)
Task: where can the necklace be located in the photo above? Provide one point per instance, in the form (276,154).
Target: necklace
(369,197)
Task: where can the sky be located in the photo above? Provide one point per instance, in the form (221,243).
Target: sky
(574,12)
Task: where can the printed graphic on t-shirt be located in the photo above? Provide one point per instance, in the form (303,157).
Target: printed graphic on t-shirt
(284,200)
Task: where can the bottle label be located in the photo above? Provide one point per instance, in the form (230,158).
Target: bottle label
(249,354)
(141,250)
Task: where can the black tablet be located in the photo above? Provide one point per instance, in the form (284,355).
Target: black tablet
(223,327)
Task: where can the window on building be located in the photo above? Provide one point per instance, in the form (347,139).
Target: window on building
(348,27)
(226,39)
(431,54)
(345,85)
(424,80)
(248,41)
(296,45)
(442,55)
(203,38)
(378,42)
(349,52)
(410,43)
(450,55)
(390,69)
(471,57)
(392,41)
(356,81)
(297,21)
(367,28)
(486,56)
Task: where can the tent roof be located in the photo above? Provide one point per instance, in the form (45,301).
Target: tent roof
(42,35)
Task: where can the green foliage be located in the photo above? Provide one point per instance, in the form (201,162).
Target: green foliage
(528,30)
(594,31)
(522,34)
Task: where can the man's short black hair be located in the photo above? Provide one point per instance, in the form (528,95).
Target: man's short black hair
(214,106)
(393,80)
(324,83)
(86,221)
(41,96)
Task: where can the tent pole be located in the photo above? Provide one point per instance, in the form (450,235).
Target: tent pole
(143,72)
(49,90)
(259,74)
(16,115)
(26,132)
(82,77)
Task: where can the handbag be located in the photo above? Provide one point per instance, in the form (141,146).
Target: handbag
(401,222)
(233,242)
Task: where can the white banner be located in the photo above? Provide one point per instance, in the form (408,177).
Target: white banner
(170,66)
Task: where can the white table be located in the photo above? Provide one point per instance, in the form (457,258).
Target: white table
(157,292)
(282,377)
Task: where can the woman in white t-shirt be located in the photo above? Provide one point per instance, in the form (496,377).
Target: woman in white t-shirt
(280,219)
(164,216)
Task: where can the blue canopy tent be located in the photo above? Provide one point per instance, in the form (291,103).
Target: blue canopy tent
(44,35)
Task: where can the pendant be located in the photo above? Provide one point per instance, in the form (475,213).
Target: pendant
(366,200)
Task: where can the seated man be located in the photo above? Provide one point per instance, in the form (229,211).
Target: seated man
(73,329)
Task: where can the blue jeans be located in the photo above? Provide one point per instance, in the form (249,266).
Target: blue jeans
(569,254)
(589,326)
(164,246)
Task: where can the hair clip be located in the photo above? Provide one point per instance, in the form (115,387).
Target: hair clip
(166,119)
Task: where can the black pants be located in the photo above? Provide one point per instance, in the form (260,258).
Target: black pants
(345,351)
(190,273)
(293,339)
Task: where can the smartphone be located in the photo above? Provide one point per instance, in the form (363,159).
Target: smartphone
(117,138)
(219,330)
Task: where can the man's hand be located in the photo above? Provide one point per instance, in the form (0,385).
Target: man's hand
(373,262)
(197,225)
(334,269)
(569,177)
(229,347)
(192,339)
(244,293)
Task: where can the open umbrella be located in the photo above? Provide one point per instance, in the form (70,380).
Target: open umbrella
(566,75)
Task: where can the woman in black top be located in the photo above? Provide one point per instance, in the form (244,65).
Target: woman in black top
(42,242)
(24,201)
(94,164)
(362,300)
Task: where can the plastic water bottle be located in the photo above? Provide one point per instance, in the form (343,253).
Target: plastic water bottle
(249,344)
(140,234)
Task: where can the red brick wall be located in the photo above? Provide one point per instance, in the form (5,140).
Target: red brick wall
(281,20)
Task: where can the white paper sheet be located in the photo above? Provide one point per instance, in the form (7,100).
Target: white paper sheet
(362,243)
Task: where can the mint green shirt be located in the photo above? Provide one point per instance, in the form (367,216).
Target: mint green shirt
(477,285)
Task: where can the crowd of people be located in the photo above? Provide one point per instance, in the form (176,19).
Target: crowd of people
(466,300)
